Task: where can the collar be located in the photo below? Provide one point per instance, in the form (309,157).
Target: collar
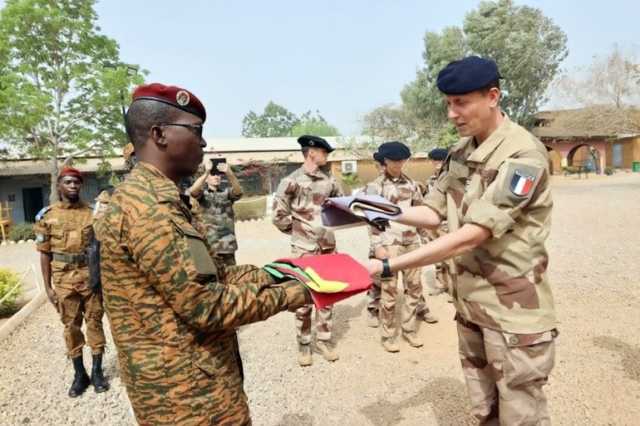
(318,174)
(163,187)
(400,179)
(65,204)
(482,152)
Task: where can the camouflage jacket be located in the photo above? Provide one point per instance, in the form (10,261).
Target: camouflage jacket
(296,209)
(63,228)
(219,219)
(404,192)
(172,321)
(501,185)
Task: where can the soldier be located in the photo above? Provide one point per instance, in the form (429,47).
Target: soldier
(296,212)
(216,200)
(172,321)
(400,189)
(63,230)
(494,190)
(441,284)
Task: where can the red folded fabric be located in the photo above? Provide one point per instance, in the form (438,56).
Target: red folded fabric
(334,267)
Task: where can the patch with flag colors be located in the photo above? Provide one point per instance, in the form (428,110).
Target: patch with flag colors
(521,184)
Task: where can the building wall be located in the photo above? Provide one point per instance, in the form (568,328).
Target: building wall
(630,152)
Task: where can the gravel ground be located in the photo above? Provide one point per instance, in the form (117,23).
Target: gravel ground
(595,271)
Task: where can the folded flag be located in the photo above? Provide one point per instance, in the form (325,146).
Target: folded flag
(356,210)
(328,277)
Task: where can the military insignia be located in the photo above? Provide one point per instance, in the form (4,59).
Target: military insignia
(312,143)
(39,238)
(42,212)
(183,98)
(521,183)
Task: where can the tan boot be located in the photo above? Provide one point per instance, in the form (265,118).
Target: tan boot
(412,339)
(372,319)
(429,318)
(325,349)
(390,345)
(304,355)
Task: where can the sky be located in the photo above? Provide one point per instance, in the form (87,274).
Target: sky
(342,58)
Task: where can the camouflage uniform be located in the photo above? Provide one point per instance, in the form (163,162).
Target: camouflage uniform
(296,211)
(172,322)
(505,310)
(219,220)
(442,281)
(63,229)
(397,239)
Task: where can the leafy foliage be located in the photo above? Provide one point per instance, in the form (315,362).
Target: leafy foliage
(61,81)
(22,232)
(313,124)
(8,281)
(275,121)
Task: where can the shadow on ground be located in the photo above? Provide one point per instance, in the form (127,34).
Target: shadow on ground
(446,397)
(342,317)
(296,420)
(630,354)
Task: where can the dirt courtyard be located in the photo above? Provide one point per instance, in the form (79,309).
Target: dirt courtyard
(595,273)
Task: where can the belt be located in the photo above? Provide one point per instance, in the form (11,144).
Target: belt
(78,259)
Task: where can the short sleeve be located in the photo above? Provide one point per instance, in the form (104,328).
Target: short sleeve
(43,233)
(515,186)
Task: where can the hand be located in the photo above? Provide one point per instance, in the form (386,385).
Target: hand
(374,267)
(208,165)
(53,298)
(223,168)
(380,253)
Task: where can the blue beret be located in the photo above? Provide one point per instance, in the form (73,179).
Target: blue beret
(467,75)
(393,151)
(310,141)
(438,154)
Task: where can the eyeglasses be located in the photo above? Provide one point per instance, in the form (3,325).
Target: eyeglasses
(195,128)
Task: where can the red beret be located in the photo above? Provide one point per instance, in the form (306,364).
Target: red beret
(171,95)
(70,171)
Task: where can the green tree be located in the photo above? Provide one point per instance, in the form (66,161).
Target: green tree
(58,100)
(275,121)
(313,124)
(527,46)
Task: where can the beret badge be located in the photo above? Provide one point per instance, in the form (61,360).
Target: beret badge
(183,98)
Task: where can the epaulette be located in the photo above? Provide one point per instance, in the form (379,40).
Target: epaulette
(42,212)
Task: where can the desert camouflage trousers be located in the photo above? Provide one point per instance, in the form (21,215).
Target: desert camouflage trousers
(324,317)
(389,296)
(374,293)
(505,374)
(76,302)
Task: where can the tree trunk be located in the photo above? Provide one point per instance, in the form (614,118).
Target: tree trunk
(53,196)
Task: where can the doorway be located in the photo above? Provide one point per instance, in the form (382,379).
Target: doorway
(32,202)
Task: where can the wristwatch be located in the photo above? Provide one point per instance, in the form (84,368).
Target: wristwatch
(386,270)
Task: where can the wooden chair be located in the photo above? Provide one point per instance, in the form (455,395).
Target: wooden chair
(5,219)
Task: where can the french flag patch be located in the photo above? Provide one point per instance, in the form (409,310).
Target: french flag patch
(521,184)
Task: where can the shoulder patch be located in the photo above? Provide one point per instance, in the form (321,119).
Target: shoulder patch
(42,212)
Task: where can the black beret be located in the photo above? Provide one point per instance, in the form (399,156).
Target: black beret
(311,141)
(467,75)
(393,151)
(438,154)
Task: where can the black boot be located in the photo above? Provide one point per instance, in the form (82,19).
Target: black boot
(100,384)
(80,380)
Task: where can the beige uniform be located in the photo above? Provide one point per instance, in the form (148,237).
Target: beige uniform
(397,239)
(63,230)
(296,211)
(505,310)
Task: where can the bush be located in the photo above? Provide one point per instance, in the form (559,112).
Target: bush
(24,231)
(8,280)
(250,208)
